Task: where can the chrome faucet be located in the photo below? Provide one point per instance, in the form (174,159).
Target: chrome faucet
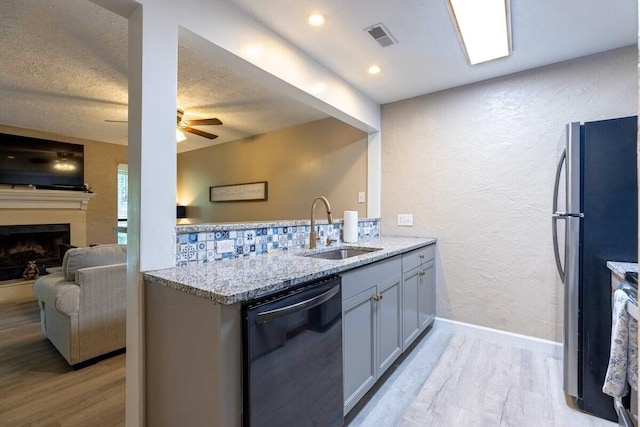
(313,236)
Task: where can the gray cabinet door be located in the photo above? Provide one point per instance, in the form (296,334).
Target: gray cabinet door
(359,346)
(410,306)
(389,310)
(426,295)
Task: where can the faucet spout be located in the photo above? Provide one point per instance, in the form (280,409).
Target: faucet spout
(313,235)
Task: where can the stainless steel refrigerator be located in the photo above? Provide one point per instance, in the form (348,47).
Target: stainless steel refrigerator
(600,216)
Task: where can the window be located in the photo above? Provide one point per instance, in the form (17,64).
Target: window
(123,193)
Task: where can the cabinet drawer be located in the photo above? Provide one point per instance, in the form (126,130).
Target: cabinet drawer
(363,278)
(413,259)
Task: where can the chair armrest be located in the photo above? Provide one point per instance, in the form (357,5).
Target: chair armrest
(103,289)
(55,291)
(102,311)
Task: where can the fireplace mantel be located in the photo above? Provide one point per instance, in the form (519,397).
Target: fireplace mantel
(11,198)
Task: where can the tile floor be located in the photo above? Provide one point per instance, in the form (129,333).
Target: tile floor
(454,380)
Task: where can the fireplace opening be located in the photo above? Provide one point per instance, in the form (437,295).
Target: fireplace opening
(20,244)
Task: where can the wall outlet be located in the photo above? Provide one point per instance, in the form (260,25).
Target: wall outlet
(361,197)
(405,220)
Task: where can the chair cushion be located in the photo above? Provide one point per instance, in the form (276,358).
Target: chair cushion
(94,256)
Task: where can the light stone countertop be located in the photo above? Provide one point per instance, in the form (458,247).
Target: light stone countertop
(242,279)
(620,268)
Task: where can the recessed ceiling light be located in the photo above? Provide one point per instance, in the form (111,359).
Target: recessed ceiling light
(374,69)
(253,51)
(318,88)
(315,19)
(483,28)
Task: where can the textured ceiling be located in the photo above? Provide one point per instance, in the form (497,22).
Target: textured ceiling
(63,66)
(246,109)
(64,70)
(428,56)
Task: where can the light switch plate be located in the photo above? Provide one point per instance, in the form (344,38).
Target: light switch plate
(405,220)
(361,197)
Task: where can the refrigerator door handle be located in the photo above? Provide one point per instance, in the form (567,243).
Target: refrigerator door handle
(571,347)
(556,249)
(558,215)
(564,215)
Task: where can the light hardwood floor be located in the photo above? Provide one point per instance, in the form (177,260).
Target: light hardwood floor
(454,380)
(447,380)
(37,386)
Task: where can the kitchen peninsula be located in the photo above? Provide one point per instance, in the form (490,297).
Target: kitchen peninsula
(194,327)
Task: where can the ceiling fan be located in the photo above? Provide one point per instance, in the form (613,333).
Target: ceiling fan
(186,125)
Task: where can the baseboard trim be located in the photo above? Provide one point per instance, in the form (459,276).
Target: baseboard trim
(526,342)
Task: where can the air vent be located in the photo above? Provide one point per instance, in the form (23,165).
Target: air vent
(381,35)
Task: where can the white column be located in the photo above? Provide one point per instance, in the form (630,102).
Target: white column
(153,50)
(374,175)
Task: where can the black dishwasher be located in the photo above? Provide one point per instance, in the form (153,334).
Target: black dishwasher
(293,357)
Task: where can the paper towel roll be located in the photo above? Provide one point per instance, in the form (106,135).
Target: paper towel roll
(350,227)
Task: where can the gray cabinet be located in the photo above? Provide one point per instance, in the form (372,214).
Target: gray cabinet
(410,313)
(427,295)
(359,341)
(372,340)
(389,317)
(386,306)
(418,293)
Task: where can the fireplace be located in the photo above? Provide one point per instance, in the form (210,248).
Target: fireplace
(20,244)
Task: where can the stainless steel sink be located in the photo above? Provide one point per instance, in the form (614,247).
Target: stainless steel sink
(342,253)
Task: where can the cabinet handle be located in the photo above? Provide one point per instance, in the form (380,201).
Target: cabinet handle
(421,256)
(376,298)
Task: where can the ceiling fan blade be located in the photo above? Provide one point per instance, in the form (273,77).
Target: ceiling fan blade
(116,121)
(198,132)
(202,122)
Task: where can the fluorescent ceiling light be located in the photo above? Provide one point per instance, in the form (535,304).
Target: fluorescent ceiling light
(483,27)
(180,135)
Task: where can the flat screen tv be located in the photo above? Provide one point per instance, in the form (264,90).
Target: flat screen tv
(41,163)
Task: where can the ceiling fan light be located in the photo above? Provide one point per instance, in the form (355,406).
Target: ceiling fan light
(180,136)
(484,28)
(64,166)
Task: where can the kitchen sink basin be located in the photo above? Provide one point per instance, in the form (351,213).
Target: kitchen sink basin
(342,253)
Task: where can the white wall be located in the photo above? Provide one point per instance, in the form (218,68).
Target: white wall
(475,165)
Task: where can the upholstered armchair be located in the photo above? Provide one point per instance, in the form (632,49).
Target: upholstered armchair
(83,307)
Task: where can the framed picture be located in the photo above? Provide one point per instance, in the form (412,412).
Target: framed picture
(246,192)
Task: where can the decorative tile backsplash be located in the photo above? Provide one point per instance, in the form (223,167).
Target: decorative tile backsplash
(198,244)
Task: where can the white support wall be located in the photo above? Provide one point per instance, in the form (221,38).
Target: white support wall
(374,175)
(225,31)
(153,53)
